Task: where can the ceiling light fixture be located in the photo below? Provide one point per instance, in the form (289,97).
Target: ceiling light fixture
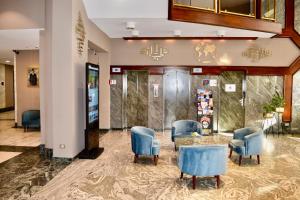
(135,33)
(177,33)
(130,25)
(7,61)
(221,33)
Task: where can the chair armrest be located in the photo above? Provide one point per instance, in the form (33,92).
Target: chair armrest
(241,133)
(253,143)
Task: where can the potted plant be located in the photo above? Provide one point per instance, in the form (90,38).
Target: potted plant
(278,102)
(268,110)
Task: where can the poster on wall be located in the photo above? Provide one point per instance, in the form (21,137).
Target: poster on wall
(205,110)
(33,77)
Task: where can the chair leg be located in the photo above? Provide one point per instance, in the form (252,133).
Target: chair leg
(194,182)
(230,153)
(218,180)
(240,160)
(155,159)
(181,175)
(136,156)
(258,159)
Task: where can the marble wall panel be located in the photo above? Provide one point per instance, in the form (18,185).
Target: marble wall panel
(232,113)
(197,83)
(297,16)
(260,90)
(156,104)
(296,103)
(280,12)
(176,92)
(137,98)
(116,93)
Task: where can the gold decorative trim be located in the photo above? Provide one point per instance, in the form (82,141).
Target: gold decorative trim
(80,34)
(195,7)
(256,53)
(155,51)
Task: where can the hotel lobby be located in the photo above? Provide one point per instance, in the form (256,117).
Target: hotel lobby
(146,100)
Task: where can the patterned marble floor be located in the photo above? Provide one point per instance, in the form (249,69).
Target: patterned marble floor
(25,174)
(17,136)
(114,176)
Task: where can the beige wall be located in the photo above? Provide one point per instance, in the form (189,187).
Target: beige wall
(28,98)
(182,52)
(22,14)
(2,87)
(63,72)
(9,86)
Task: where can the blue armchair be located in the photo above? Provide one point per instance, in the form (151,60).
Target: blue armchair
(204,160)
(246,142)
(185,127)
(31,119)
(143,143)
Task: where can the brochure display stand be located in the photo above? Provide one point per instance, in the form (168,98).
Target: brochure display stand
(205,110)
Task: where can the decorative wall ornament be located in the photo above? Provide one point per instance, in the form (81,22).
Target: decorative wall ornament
(155,51)
(80,34)
(205,52)
(256,53)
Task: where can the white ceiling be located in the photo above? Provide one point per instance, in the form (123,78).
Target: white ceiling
(151,20)
(17,40)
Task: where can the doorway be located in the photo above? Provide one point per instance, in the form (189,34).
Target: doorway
(177,94)
(232,95)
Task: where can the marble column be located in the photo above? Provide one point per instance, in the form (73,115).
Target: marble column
(197,83)
(260,90)
(156,102)
(116,97)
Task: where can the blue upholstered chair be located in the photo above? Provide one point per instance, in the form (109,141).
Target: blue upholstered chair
(143,143)
(203,160)
(31,119)
(185,127)
(246,142)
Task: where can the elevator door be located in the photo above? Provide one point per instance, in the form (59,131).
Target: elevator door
(137,98)
(232,110)
(176,90)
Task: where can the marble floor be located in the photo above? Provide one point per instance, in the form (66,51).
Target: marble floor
(114,176)
(9,115)
(16,136)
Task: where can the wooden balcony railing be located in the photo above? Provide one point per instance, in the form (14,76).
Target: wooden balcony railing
(258,15)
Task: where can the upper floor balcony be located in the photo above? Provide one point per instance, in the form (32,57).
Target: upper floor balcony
(258,15)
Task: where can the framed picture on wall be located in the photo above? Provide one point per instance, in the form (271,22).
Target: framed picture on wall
(33,77)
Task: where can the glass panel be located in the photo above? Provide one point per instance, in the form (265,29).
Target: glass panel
(201,4)
(240,7)
(268,9)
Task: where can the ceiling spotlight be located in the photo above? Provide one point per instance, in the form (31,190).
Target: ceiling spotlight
(130,25)
(135,33)
(177,33)
(221,33)
(7,61)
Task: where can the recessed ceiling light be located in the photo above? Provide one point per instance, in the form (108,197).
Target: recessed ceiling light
(177,33)
(130,25)
(135,33)
(7,61)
